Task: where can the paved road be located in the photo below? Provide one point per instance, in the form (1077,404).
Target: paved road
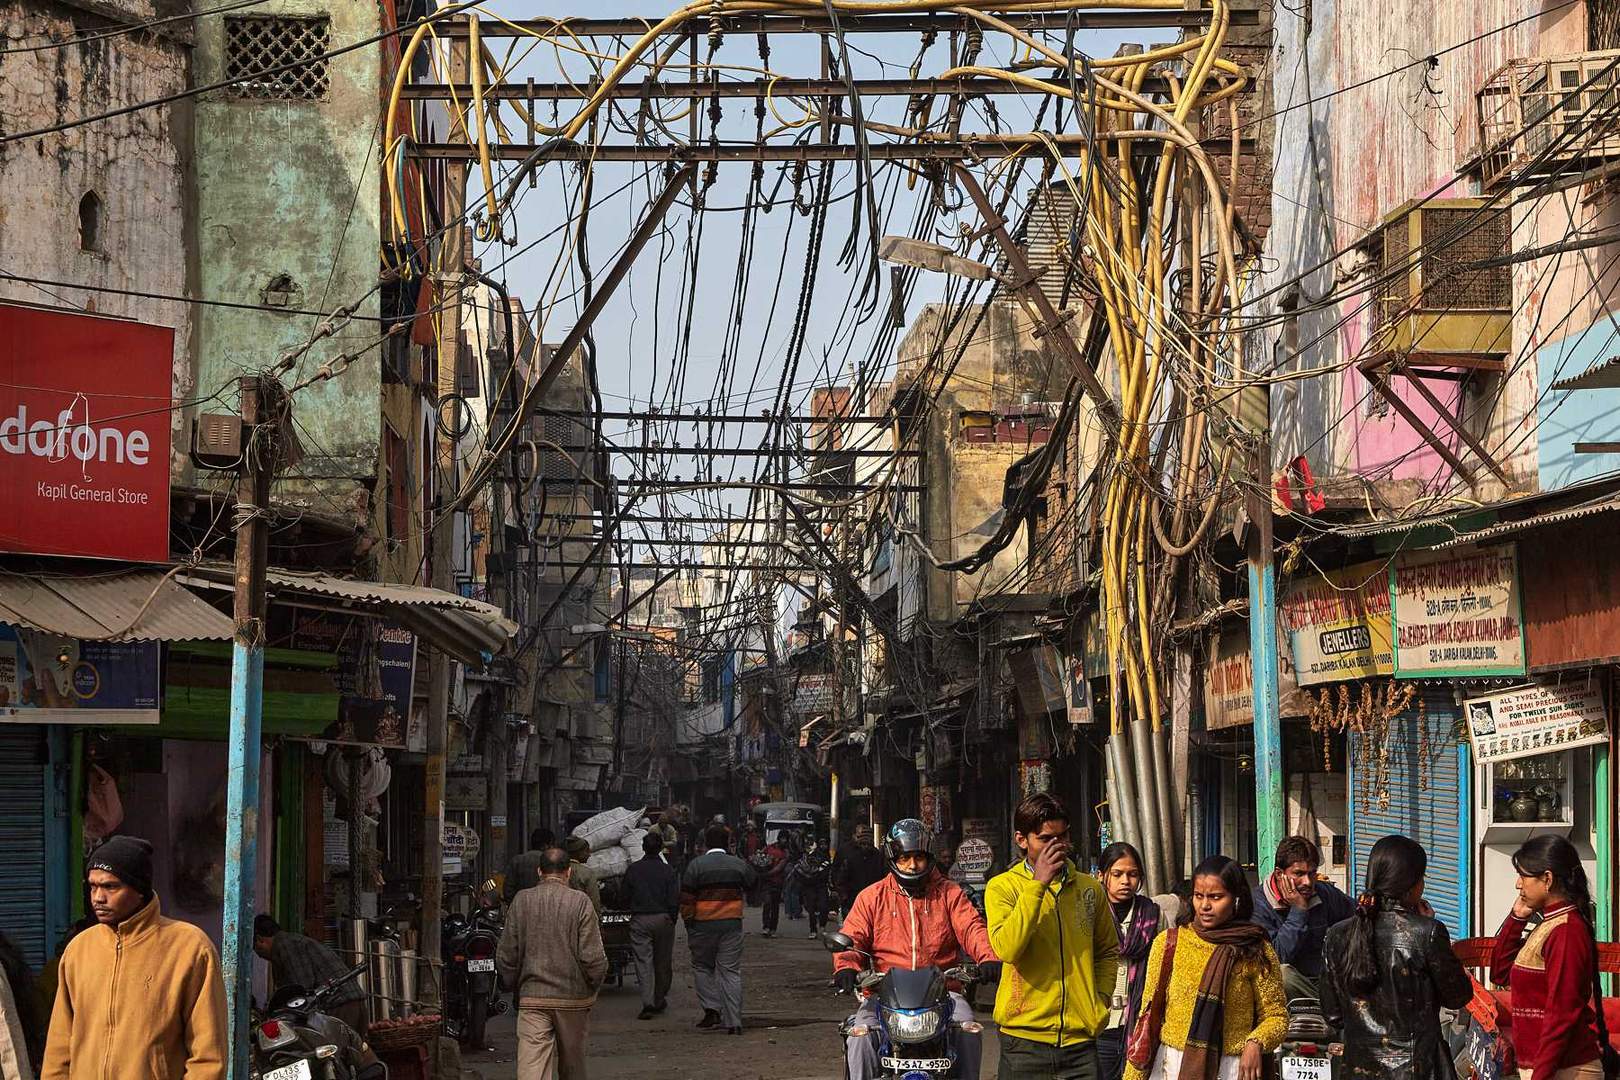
(790,1018)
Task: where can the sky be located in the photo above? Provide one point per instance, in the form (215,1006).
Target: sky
(647,356)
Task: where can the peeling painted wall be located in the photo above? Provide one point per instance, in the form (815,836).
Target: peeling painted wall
(290,189)
(134,163)
(1352,143)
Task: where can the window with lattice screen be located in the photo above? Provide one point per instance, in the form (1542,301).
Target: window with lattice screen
(278,58)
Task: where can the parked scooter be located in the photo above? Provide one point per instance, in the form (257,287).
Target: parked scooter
(917,1039)
(1311,1049)
(472,990)
(294,1039)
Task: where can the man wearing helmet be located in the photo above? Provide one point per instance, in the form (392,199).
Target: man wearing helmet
(914,917)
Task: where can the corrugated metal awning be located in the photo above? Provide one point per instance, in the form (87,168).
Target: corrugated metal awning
(1513,528)
(1603,375)
(470,630)
(126,605)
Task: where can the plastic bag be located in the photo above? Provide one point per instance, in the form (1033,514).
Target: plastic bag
(609,863)
(606,829)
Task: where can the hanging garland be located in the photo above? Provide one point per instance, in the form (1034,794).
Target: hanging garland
(1370,715)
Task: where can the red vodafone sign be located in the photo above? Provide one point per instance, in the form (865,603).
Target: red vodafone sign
(85,405)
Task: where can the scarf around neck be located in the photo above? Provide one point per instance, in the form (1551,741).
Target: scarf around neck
(1141,918)
(1233,942)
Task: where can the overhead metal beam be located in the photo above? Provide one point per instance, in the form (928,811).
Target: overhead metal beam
(715,418)
(653,484)
(725,451)
(695,567)
(967,147)
(662,519)
(729,23)
(750,88)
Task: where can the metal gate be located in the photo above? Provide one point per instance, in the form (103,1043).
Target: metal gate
(1427,785)
(22,839)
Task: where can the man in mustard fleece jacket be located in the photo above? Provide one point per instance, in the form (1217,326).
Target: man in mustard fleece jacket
(1053,930)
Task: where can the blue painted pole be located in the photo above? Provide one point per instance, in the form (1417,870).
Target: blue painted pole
(1269,813)
(259,443)
(242,845)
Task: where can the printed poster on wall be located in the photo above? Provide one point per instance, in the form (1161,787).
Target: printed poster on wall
(1338,624)
(1530,720)
(375,674)
(1457,613)
(45,679)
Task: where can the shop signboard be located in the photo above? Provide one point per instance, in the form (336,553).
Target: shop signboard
(375,673)
(1457,613)
(1337,624)
(45,679)
(1094,647)
(1528,720)
(975,857)
(85,407)
(1229,683)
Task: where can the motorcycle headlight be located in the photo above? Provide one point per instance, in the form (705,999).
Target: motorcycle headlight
(911,1027)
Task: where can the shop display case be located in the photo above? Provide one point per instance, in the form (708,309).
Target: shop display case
(1530,796)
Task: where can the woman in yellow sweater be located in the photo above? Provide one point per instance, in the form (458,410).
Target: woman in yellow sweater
(1221,1011)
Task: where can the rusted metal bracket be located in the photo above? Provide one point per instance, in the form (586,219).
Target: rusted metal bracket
(1378,370)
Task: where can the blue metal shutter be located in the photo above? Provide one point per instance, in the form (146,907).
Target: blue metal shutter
(22,839)
(1436,815)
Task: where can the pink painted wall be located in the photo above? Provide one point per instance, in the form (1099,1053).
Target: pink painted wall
(1348,154)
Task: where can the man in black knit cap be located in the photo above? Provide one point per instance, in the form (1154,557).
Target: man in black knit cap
(137,995)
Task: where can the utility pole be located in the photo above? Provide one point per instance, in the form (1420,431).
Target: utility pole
(1268,793)
(264,406)
(452,256)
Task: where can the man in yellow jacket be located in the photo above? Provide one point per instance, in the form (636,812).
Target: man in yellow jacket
(138,996)
(1059,949)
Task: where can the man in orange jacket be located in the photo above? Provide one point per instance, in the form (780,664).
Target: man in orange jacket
(915,917)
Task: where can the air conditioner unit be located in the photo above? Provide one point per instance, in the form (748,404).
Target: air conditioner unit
(1434,303)
(1544,116)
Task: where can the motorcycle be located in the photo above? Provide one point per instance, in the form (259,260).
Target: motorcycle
(294,1039)
(913,1016)
(472,991)
(1310,1050)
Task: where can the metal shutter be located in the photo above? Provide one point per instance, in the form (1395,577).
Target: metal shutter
(1435,815)
(22,839)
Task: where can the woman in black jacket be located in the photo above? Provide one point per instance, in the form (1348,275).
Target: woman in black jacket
(1390,969)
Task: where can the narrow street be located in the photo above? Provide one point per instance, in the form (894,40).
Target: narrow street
(790,1018)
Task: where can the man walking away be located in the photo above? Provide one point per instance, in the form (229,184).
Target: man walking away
(138,996)
(296,960)
(523,872)
(858,865)
(583,877)
(551,953)
(653,894)
(1296,911)
(712,892)
(774,877)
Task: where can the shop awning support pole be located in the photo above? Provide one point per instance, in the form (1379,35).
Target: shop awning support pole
(1269,815)
(264,407)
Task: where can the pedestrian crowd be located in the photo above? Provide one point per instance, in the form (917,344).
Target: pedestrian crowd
(1099,982)
(1096,980)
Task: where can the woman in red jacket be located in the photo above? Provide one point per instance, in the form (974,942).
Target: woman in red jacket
(1557,1034)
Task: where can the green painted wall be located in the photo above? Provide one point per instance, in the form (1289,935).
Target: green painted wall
(292,187)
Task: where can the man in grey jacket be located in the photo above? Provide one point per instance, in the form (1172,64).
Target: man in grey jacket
(551,954)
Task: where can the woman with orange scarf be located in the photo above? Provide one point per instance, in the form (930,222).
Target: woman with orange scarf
(1217,1010)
